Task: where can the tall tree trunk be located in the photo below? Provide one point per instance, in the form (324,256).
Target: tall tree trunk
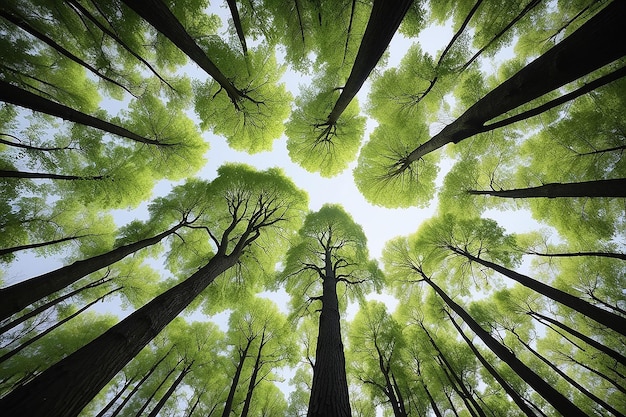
(234,12)
(255,372)
(597,188)
(590,47)
(117,396)
(23,98)
(433,404)
(604,317)
(58,324)
(381,26)
(243,354)
(613,255)
(389,387)
(560,402)
(65,388)
(16,144)
(457,386)
(570,380)
(9,173)
(157,408)
(19,296)
(595,371)
(147,402)
(329,393)
(591,342)
(6,251)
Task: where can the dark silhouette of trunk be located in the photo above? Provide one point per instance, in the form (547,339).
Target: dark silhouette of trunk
(234,12)
(21,23)
(381,26)
(65,388)
(452,406)
(157,408)
(391,388)
(58,324)
(519,401)
(253,378)
(7,251)
(140,383)
(603,317)
(433,404)
(620,148)
(83,12)
(19,296)
(5,328)
(597,188)
(195,404)
(117,396)
(455,379)
(560,402)
(243,354)
(32,148)
(5,173)
(329,393)
(613,255)
(154,392)
(162,19)
(591,342)
(464,397)
(23,98)
(589,48)
(595,371)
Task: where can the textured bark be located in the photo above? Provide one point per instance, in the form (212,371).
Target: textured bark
(597,188)
(590,47)
(23,98)
(329,393)
(560,402)
(16,297)
(65,388)
(604,317)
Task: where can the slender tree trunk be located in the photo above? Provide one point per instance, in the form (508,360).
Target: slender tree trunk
(65,388)
(381,26)
(613,255)
(234,12)
(602,348)
(590,47)
(597,188)
(157,408)
(433,404)
(389,389)
(195,404)
(329,393)
(23,98)
(452,406)
(51,303)
(117,396)
(32,148)
(6,251)
(519,401)
(243,354)
(561,403)
(603,317)
(570,380)
(147,402)
(5,173)
(19,296)
(600,374)
(58,324)
(253,378)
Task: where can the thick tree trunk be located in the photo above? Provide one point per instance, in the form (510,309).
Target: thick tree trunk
(519,401)
(329,393)
(16,297)
(243,354)
(560,402)
(597,188)
(23,98)
(603,317)
(65,388)
(157,408)
(7,173)
(381,26)
(589,48)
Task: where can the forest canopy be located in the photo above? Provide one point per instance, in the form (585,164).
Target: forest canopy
(312,208)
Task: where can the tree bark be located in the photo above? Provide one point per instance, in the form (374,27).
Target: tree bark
(23,98)
(597,188)
(157,408)
(604,317)
(65,388)
(18,296)
(560,402)
(589,48)
(329,393)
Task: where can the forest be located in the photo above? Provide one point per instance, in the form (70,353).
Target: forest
(145,273)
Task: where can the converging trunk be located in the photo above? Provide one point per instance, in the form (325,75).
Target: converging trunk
(597,188)
(157,408)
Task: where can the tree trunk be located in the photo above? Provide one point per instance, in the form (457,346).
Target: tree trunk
(117,396)
(389,387)
(243,354)
(613,255)
(255,372)
(381,26)
(157,408)
(6,251)
(590,47)
(595,371)
(603,317)
(597,188)
(560,402)
(146,403)
(19,296)
(234,12)
(519,401)
(591,342)
(23,98)
(58,324)
(433,404)
(65,388)
(5,173)
(457,386)
(329,393)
